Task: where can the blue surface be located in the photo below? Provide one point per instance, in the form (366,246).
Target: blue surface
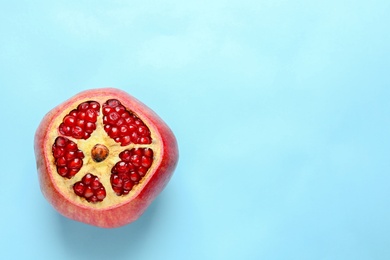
(281,110)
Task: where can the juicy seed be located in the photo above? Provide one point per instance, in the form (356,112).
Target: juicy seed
(130,170)
(63,171)
(87,179)
(80,122)
(61,141)
(124,126)
(67,157)
(90,188)
(79,188)
(75,163)
(113,103)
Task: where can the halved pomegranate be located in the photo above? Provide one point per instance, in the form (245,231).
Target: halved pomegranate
(103,157)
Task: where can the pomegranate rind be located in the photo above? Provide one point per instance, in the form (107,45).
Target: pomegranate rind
(131,208)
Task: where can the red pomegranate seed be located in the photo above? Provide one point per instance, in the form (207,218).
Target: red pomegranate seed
(61,162)
(94,105)
(59,152)
(69,120)
(142,171)
(136,160)
(145,140)
(80,154)
(79,188)
(89,127)
(88,192)
(143,130)
(90,188)
(114,132)
(68,158)
(146,161)
(61,141)
(134,177)
(113,102)
(71,146)
(113,117)
(119,122)
(90,115)
(101,194)
(120,109)
(72,172)
(138,151)
(125,155)
(87,179)
(70,155)
(128,185)
(118,190)
(134,137)
(64,130)
(130,170)
(116,181)
(80,122)
(83,106)
(124,140)
(81,115)
(63,171)
(124,130)
(107,110)
(75,163)
(93,199)
(148,152)
(121,167)
(95,184)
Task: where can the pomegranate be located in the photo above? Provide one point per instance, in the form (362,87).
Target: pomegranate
(103,157)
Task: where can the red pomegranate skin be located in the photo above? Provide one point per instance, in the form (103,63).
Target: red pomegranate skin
(116,215)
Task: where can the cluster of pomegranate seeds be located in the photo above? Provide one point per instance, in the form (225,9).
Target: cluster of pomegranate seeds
(68,158)
(90,188)
(81,122)
(121,125)
(124,126)
(129,171)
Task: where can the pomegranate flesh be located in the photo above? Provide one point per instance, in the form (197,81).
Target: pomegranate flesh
(103,157)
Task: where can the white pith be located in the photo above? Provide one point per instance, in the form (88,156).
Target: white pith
(99,169)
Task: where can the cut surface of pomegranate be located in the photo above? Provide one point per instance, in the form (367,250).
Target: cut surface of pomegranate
(103,157)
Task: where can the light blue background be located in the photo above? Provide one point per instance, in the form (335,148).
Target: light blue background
(281,110)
